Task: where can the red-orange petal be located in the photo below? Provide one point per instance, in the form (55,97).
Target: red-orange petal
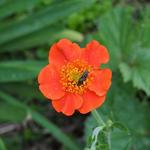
(101,81)
(95,54)
(56,56)
(49,83)
(64,51)
(91,101)
(68,104)
(71,50)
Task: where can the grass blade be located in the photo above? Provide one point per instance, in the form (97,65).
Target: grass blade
(33,39)
(16,6)
(49,35)
(19,70)
(41,19)
(2,145)
(52,128)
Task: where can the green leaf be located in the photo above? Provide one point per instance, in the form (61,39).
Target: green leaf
(2,2)
(141,79)
(128,46)
(120,126)
(126,71)
(16,6)
(123,106)
(19,70)
(48,35)
(27,90)
(94,137)
(115,33)
(2,145)
(145,26)
(42,121)
(55,131)
(11,113)
(71,34)
(45,17)
(139,71)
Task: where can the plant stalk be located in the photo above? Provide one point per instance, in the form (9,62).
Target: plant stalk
(98,118)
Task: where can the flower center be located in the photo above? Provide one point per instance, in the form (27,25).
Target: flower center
(74,72)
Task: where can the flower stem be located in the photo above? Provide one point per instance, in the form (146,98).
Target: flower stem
(100,122)
(97,117)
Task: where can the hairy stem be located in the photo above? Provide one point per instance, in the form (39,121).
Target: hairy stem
(97,117)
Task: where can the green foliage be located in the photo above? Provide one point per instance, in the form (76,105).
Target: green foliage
(2,145)
(52,128)
(34,39)
(27,91)
(29,27)
(19,70)
(128,46)
(123,106)
(129,50)
(9,112)
(98,140)
(85,19)
(19,28)
(16,7)
(126,72)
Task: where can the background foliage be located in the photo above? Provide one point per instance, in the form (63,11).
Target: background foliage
(27,30)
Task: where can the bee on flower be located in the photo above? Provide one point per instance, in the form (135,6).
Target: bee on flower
(73,79)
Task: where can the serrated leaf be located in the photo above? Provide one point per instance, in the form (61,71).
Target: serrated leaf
(120,126)
(123,106)
(139,71)
(114,32)
(141,79)
(126,71)
(128,46)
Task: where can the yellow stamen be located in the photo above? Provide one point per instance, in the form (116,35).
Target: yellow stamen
(70,75)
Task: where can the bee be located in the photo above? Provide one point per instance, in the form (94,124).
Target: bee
(83,78)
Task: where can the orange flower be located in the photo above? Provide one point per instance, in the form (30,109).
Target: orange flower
(73,79)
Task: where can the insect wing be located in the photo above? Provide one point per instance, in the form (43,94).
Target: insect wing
(83,78)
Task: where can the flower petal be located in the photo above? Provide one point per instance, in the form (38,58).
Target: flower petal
(101,81)
(91,101)
(56,56)
(64,51)
(49,81)
(95,54)
(71,50)
(68,104)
